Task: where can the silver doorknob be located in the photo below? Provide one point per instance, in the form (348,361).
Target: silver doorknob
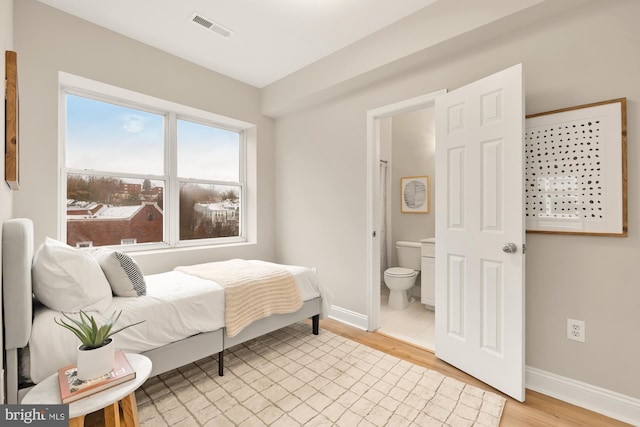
(509,248)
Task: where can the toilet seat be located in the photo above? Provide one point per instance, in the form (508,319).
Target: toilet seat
(400,272)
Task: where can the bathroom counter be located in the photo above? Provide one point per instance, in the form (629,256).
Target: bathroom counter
(428,277)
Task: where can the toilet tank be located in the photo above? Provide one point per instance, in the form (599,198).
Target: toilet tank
(409,254)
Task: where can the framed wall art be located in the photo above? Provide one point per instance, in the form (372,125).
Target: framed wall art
(11,137)
(415,194)
(576,170)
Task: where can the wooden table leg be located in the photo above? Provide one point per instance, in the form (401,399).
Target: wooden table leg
(112,415)
(130,411)
(77,421)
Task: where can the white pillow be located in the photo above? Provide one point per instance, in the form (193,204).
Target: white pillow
(67,279)
(123,273)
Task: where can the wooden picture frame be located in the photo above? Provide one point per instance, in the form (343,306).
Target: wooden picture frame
(415,194)
(576,170)
(11,138)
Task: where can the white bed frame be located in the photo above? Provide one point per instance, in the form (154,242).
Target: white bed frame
(17,255)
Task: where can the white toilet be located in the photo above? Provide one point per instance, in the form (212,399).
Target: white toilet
(401,279)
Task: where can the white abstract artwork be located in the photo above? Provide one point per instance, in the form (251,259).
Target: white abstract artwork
(575,172)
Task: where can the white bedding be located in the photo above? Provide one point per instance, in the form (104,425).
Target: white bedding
(176,306)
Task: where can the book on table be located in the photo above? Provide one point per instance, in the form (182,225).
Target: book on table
(72,388)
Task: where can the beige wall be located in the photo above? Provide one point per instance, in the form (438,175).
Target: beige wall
(588,55)
(6,198)
(49,41)
(6,41)
(413,154)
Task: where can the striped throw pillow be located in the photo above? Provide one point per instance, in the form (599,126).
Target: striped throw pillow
(123,273)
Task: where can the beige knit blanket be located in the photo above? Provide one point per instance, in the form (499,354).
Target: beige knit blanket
(252,290)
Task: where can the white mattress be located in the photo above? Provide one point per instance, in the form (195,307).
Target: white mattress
(177,305)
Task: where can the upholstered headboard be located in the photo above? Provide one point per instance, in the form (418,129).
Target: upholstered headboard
(17,255)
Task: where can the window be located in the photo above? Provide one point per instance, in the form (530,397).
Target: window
(143,172)
(209,179)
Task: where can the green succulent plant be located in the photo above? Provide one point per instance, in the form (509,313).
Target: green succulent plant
(87,330)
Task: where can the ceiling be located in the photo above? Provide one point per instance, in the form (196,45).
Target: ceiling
(270,38)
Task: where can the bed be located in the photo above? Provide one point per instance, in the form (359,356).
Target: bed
(184,315)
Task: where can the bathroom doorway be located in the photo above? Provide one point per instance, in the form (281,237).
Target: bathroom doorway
(400,143)
(474,312)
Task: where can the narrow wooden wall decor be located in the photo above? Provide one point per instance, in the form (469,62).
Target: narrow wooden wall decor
(576,170)
(11,108)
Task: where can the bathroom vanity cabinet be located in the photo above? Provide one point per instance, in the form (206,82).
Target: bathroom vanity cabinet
(428,268)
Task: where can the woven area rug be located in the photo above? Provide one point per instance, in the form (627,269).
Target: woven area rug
(294,378)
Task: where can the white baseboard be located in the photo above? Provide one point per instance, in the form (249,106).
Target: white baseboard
(597,399)
(349,317)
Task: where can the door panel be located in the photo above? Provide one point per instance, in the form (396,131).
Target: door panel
(456,297)
(491,307)
(491,191)
(455,214)
(479,197)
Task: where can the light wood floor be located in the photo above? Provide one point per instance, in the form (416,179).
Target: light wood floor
(538,409)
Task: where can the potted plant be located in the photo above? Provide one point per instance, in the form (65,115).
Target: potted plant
(95,354)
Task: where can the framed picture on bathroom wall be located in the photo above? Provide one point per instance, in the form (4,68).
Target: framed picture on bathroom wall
(415,194)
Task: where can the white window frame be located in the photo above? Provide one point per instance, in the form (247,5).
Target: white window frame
(80,86)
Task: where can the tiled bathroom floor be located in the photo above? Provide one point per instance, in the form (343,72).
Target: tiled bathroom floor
(415,324)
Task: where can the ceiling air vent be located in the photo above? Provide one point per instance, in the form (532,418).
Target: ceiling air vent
(210,25)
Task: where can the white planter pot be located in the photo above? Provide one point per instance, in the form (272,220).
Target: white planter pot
(95,362)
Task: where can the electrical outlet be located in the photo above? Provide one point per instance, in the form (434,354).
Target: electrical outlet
(575,330)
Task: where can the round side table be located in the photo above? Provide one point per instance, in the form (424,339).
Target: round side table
(110,400)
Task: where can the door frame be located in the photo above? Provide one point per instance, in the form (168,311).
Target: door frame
(373,191)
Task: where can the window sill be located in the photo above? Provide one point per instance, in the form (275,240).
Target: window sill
(163,249)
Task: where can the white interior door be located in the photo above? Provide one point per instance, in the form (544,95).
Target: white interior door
(479,197)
